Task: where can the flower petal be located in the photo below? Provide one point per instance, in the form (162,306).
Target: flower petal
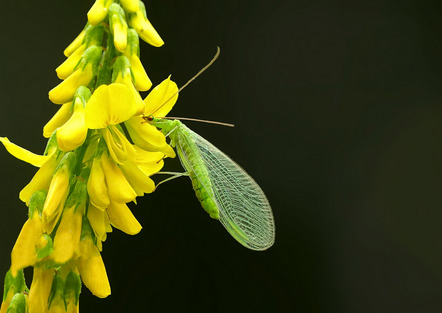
(40,289)
(41,180)
(141,80)
(62,116)
(119,147)
(73,133)
(119,188)
(110,105)
(96,218)
(122,218)
(92,269)
(68,66)
(67,237)
(144,135)
(140,182)
(161,99)
(23,154)
(96,186)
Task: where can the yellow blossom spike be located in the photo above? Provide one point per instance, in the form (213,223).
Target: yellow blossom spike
(62,116)
(98,11)
(141,24)
(67,237)
(162,98)
(68,66)
(92,269)
(64,92)
(73,133)
(139,181)
(24,253)
(109,105)
(41,180)
(40,289)
(96,186)
(23,154)
(130,5)
(122,218)
(119,188)
(119,147)
(75,44)
(96,218)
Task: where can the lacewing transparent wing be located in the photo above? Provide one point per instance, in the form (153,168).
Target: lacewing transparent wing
(243,208)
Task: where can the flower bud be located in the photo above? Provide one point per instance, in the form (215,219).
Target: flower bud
(64,92)
(118,26)
(19,304)
(62,116)
(98,11)
(141,24)
(130,5)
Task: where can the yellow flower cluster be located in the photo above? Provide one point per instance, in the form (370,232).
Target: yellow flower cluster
(90,169)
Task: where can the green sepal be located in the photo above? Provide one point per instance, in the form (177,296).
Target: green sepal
(86,230)
(52,142)
(91,55)
(121,65)
(18,304)
(17,284)
(72,287)
(37,202)
(83,93)
(79,195)
(57,290)
(68,162)
(116,10)
(133,42)
(93,35)
(47,249)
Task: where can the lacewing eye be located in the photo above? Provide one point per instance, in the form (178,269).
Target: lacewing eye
(150,118)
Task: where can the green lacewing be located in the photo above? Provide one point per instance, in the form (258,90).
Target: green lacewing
(224,189)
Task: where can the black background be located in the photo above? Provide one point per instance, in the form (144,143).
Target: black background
(338,114)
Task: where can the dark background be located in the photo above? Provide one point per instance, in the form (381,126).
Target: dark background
(338,113)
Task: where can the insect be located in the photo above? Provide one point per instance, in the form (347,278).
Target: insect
(224,189)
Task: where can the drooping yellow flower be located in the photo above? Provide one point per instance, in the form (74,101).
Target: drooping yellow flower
(92,269)
(141,24)
(40,289)
(121,217)
(96,185)
(23,154)
(73,133)
(75,44)
(98,11)
(118,187)
(130,5)
(118,26)
(62,116)
(158,103)
(68,66)
(141,80)
(67,237)
(100,224)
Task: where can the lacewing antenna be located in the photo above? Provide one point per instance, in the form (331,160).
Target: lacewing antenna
(218,50)
(197,120)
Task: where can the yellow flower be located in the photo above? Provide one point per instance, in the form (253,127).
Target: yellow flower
(92,269)
(130,5)
(68,66)
(141,24)
(57,193)
(67,237)
(62,116)
(121,217)
(100,224)
(75,44)
(73,133)
(40,289)
(110,105)
(141,80)
(118,26)
(118,187)
(96,186)
(158,103)
(24,253)
(65,91)
(23,154)
(98,11)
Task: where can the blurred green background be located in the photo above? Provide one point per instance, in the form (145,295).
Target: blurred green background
(338,114)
